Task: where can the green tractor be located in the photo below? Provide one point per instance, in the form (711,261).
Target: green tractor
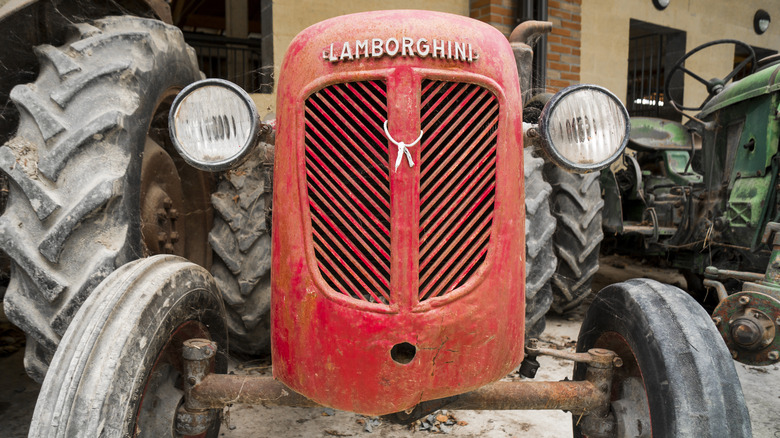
(703,197)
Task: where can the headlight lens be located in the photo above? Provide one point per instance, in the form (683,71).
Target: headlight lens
(213,124)
(585,128)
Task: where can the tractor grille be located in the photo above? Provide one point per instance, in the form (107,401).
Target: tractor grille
(457,183)
(347,173)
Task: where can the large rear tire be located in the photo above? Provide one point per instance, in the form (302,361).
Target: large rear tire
(576,204)
(118,370)
(540,260)
(241,239)
(93,185)
(677,377)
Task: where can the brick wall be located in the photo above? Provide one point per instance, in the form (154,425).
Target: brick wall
(499,13)
(563,44)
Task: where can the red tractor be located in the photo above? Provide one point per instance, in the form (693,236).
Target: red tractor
(398,274)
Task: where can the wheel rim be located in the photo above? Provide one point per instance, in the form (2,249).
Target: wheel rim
(629,396)
(175,206)
(163,393)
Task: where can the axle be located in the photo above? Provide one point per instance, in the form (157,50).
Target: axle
(205,391)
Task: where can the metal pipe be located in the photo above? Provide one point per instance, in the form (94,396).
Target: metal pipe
(526,31)
(720,289)
(577,397)
(723,274)
(220,390)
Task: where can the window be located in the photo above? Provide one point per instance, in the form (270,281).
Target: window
(652,51)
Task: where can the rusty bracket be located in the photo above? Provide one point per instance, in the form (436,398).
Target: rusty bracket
(597,357)
(771,235)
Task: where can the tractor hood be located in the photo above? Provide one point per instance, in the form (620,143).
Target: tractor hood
(764,81)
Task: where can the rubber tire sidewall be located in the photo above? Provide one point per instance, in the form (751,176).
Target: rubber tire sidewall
(107,353)
(693,389)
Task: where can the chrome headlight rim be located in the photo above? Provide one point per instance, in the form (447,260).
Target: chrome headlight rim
(246,148)
(549,146)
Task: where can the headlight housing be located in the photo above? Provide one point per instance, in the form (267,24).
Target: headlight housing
(584,128)
(213,124)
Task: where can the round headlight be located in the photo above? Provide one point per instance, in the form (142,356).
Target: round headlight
(213,124)
(585,128)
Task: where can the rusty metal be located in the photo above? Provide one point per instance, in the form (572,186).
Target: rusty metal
(588,397)
(576,397)
(205,391)
(192,418)
(189,423)
(748,322)
(526,31)
(723,274)
(522,38)
(220,390)
(720,289)
(175,207)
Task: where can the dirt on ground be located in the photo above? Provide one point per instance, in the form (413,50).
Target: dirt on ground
(761,386)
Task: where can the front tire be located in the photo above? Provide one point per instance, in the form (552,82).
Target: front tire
(118,369)
(677,377)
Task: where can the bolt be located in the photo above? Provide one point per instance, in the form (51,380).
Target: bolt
(744,300)
(174,236)
(733,354)
(168,248)
(167,203)
(162,237)
(717,320)
(161,215)
(192,381)
(773,355)
(173,214)
(617,362)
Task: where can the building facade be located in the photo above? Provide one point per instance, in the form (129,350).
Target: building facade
(627,46)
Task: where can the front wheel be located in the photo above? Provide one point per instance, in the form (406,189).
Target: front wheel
(118,370)
(677,378)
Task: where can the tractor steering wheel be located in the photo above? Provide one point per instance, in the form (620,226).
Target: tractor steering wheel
(715,85)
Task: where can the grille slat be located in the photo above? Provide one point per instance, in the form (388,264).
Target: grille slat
(463,123)
(376,248)
(378,229)
(357,137)
(457,183)
(442,189)
(347,170)
(329,158)
(459,210)
(357,265)
(348,178)
(343,151)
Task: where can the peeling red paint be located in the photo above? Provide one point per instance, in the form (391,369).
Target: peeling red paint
(334,349)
